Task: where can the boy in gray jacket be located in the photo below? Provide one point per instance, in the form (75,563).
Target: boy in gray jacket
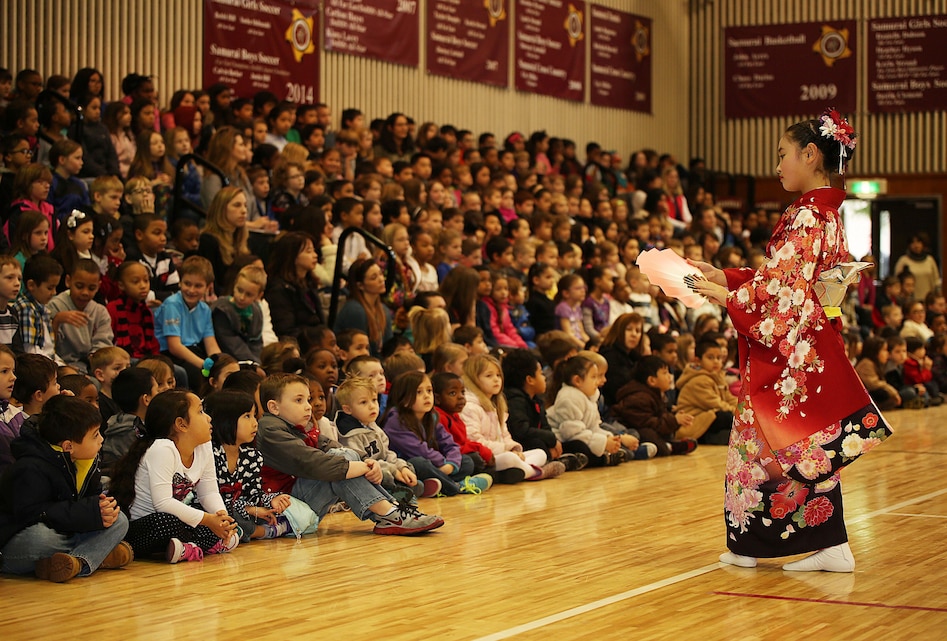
(82,325)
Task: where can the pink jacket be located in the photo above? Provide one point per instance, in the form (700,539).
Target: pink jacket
(502,325)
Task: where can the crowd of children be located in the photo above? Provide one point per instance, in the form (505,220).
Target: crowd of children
(181,359)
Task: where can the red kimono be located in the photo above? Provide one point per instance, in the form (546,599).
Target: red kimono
(803,413)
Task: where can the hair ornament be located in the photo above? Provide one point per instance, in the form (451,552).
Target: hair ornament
(835,127)
(75,217)
(208,365)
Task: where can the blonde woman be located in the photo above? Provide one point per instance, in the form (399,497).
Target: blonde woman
(225,235)
(229,152)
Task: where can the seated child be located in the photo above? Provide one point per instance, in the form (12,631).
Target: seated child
(47,526)
(449,357)
(133,323)
(106,364)
(162,369)
(524,386)
(81,386)
(321,425)
(704,394)
(870,369)
(150,233)
(321,473)
(358,401)
(240,466)
(472,339)
(166,499)
(912,396)
(322,365)
(415,433)
(82,326)
(575,418)
(10,278)
(132,391)
(238,319)
(518,313)
(485,415)
(449,401)
(640,404)
(351,343)
(183,324)
(41,275)
(35,384)
(371,368)
(11,416)
(918,370)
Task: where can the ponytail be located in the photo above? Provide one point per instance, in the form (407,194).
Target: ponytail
(563,374)
(163,410)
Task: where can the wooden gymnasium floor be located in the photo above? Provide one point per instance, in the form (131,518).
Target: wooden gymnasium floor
(626,553)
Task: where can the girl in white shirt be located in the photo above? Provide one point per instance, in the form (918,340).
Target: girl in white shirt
(168,484)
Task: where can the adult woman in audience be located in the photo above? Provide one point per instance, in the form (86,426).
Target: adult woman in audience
(919,261)
(292,290)
(225,236)
(395,142)
(87,82)
(228,151)
(364,309)
(623,346)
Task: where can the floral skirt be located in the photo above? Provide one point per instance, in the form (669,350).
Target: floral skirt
(790,501)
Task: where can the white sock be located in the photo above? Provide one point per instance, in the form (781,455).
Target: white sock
(730,558)
(838,558)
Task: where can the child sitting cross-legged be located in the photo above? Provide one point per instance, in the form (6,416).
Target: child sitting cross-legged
(132,391)
(165,475)
(415,433)
(524,386)
(319,471)
(240,466)
(702,391)
(575,418)
(238,319)
(183,323)
(640,405)
(41,275)
(82,325)
(54,520)
(449,401)
(485,416)
(358,399)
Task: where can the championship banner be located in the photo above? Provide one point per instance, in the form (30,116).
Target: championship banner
(550,47)
(469,40)
(906,64)
(620,47)
(381,29)
(263,45)
(789,69)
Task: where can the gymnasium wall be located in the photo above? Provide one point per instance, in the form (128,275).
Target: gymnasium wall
(165,38)
(911,143)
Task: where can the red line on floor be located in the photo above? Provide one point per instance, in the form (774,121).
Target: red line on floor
(831,602)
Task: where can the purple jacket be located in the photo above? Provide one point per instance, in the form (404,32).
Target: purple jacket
(408,445)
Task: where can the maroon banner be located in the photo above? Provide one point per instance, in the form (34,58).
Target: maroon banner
(381,29)
(789,69)
(620,45)
(906,64)
(263,45)
(469,40)
(550,47)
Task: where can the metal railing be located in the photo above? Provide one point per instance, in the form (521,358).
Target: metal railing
(178,201)
(337,276)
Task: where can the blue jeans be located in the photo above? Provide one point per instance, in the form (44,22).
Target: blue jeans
(38,541)
(359,493)
(425,469)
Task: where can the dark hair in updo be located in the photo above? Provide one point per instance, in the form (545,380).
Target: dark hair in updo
(802,133)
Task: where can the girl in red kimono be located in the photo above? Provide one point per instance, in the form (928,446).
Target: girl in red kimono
(803,413)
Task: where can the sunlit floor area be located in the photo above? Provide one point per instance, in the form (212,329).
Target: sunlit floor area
(619,553)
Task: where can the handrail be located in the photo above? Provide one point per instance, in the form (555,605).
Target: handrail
(177,200)
(337,276)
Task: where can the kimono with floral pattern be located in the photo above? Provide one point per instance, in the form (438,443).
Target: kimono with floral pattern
(803,413)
